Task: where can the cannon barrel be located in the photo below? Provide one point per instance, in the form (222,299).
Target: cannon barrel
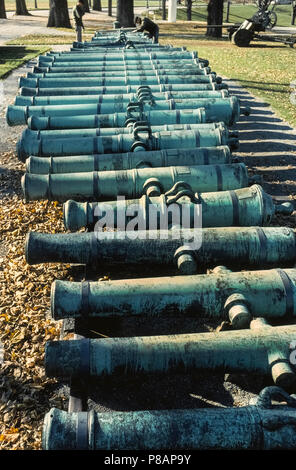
(127,161)
(92,60)
(179,117)
(96,121)
(83,56)
(94,71)
(124,53)
(30,135)
(119,56)
(133,183)
(263,426)
(268,294)
(141,45)
(242,207)
(107,90)
(133,67)
(103,45)
(221,109)
(124,99)
(113,45)
(264,350)
(117,81)
(135,141)
(244,247)
(93,52)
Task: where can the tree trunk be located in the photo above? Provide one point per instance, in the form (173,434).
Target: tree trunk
(2,9)
(21,8)
(97,5)
(86,5)
(109,7)
(189,10)
(59,14)
(215,17)
(163,8)
(125,13)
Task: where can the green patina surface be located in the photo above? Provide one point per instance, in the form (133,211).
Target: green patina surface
(123,143)
(230,352)
(127,161)
(121,98)
(241,207)
(133,183)
(245,247)
(205,295)
(225,110)
(252,427)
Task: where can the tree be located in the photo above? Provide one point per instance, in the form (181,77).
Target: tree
(215,18)
(125,13)
(21,8)
(2,9)
(59,14)
(97,5)
(189,10)
(109,7)
(163,10)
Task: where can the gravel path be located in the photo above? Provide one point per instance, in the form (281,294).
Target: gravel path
(284,30)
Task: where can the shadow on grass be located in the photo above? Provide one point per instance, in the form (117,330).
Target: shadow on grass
(13,57)
(13,53)
(260,82)
(267,46)
(262,86)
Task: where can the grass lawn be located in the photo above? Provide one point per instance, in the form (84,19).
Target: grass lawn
(265,69)
(238,13)
(13,57)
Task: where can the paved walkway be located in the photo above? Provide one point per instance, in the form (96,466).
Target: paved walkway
(22,26)
(283,30)
(16,26)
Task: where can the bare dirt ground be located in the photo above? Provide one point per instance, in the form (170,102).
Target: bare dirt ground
(268,147)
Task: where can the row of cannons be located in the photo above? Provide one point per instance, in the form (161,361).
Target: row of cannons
(119,123)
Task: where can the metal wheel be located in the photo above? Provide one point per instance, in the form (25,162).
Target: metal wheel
(242,38)
(272,20)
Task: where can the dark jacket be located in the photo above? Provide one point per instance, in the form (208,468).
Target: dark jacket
(78,13)
(148,25)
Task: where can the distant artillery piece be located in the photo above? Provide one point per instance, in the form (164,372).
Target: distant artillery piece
(241,34)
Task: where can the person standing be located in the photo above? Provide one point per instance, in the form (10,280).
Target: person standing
(147,25)
(78,12)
